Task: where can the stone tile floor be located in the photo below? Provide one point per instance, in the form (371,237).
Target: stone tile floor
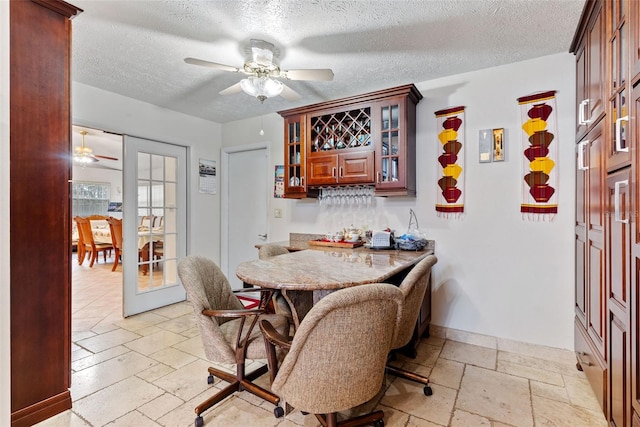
(150,370)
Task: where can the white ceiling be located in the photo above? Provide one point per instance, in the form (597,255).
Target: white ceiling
(137,48)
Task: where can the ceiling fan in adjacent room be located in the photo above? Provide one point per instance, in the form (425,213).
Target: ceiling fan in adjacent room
(263,71)
(84,155)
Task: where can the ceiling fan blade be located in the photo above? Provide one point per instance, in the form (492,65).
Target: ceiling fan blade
(290,94)
(231,89)
(105,157)
(324,74)
(215,65)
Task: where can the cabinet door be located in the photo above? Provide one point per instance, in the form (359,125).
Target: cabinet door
(634,39)
(390,133)
(596,313)
(582,199)
(596,80)
(356,167)
(635,258)
(618,153)
(294,157)
(323,170)
(618,287)
(581,91)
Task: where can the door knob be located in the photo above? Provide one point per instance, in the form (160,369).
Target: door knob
(262,236)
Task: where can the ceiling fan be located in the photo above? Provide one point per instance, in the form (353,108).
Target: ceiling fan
(83,154)
(263,71)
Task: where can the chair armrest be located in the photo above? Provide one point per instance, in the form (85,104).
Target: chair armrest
(233,313)
(274,337)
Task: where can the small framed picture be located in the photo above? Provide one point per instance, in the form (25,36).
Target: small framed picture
(498,145)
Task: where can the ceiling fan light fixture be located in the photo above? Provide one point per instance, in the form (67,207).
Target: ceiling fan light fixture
(261,87)
(82,153)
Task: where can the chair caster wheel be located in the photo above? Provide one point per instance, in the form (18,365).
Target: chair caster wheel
(199,421)
(427,391)
(378,423)
(210,379)
(278,412)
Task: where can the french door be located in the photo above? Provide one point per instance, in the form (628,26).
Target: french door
(154,224)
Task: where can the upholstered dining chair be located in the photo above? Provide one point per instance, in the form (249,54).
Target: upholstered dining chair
(413,288)
(86,243)
(336,359)
(228,330)
(280,305)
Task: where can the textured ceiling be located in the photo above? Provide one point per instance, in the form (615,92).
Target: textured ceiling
(137,48)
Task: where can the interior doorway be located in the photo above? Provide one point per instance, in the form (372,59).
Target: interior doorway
(97,189)
(245,193)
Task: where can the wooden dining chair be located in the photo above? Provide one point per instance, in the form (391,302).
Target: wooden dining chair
(413,288)
(88,243)
(115,226)
(336,359)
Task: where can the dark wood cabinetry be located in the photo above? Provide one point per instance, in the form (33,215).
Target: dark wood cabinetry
(362,140)
(607,299)
(40,122)
(589,46)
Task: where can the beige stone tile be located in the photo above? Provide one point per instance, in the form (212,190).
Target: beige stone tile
(426,355)
(94,359)
(85,324)
(447,373)
(566,369)
(529,372)
(79,353)
(107,340)
(155,372)
(80,335)
(133,419)
(549,391)
(472,338)
(551,413)
(192,346)
(179,324)
(495,395)
(188,381)
(154,343)
(462,418)
(99,376)
(160,406)
(581,394)
(434,341)
(150,330)
(173,357)
(64,419)
(191,332)
(175,310)
(539,351)
(408,397)
(116,400)
(140,321)
(470,354)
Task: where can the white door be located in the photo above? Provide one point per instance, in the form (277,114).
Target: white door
(154,223)
(246,191)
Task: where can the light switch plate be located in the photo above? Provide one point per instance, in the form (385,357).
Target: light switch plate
(277,213)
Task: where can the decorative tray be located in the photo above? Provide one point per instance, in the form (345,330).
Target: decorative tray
(335,244)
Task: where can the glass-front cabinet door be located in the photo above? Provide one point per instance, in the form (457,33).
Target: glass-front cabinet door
(295,157)
(390,123)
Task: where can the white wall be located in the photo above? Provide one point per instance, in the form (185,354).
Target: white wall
(5,343)
(108,111)
(497,274)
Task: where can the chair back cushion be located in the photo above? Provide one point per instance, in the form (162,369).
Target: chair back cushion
(271,250)
(208,289)
(413,288)
(338,354)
